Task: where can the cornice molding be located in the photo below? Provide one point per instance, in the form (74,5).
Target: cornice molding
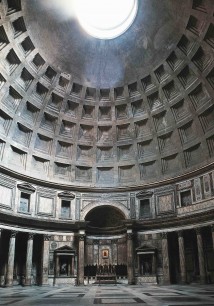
(102,189)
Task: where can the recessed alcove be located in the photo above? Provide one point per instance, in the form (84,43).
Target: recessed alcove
(105,217)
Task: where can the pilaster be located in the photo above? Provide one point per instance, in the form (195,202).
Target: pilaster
(81,257)
(182,256)
(201,259)
(165,256)
(130,257)
(45,259)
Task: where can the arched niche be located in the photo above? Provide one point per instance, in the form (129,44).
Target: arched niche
(105,216)
(117,206)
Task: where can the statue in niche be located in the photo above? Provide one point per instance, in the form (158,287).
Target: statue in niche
(147,267)
(63,268)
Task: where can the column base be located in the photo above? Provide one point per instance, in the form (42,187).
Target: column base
(44,284)
(27,282)
(166,283)
(203,281)
(183,280)
(9,284)
(131,282)
(80,283)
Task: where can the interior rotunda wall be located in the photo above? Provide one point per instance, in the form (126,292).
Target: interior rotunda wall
(126,124)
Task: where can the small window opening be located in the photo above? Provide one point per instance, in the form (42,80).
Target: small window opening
(24,202)
(145,208)
(65,209)
(186,198)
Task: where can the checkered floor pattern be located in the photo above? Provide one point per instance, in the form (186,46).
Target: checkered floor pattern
(112,295)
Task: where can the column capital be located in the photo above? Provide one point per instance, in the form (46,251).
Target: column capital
(13,234)
(212,227)
(180,234)
(130,236)
(164,235)
(30,236)
(47,237)
(81,237)
(198,230)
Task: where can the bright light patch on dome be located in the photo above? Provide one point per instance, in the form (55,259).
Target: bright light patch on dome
(105,19)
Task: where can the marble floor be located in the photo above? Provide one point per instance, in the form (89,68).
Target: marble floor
(175,295)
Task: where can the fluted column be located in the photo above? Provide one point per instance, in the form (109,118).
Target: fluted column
(130,257)
(11,257)
(201,259)
(29,259)
(45,259)
(182,256)
(81,257)
(165,255)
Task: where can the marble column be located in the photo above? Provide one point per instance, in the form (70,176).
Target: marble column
(45,260)
(29,260)
(165,256)
(182,256)
(81,257)
(1,264)
(0,246)
(212,229)
(57,266)
(11,257)
(201,259)
(130,258)
(75,265)
(72,265)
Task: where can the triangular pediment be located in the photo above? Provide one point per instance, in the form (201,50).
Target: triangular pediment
(66,194)
(65,248)
(26,187)
(146,248)
(144,194)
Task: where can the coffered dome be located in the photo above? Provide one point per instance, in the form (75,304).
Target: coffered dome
(123,112)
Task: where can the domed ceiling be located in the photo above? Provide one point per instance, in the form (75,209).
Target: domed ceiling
(107,63)
(81,111)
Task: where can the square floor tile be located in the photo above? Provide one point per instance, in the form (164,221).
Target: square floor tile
(118,301)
